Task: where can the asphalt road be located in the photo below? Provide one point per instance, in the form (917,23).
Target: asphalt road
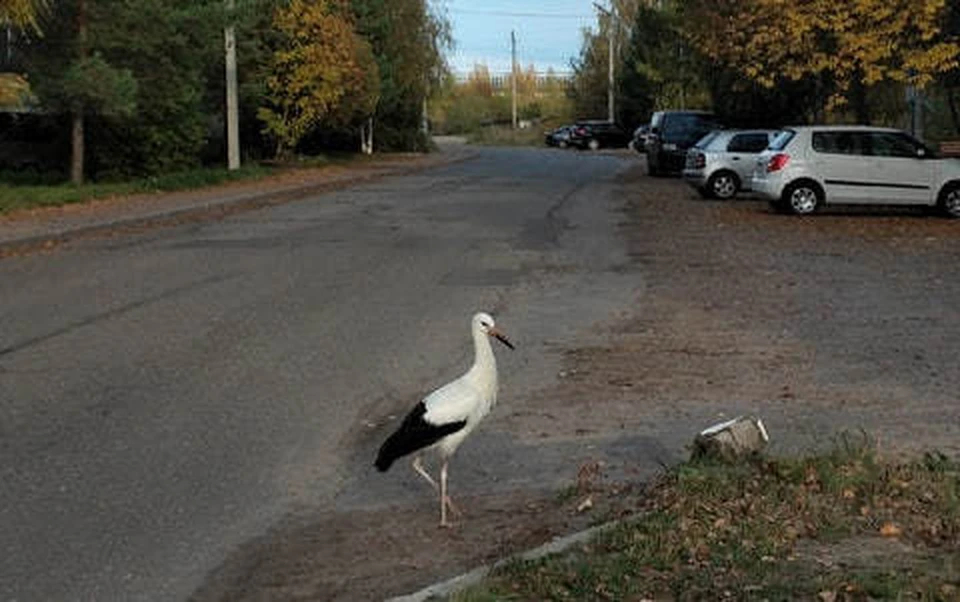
(168,395)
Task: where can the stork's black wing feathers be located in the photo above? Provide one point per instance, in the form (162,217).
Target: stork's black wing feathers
(414,433)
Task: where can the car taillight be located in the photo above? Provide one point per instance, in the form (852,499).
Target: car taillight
(581,131)
(699,160)
(778,162)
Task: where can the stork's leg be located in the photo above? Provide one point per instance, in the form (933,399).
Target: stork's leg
(418,466)
(445,501)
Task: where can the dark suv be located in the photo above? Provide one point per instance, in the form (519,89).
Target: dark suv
(671,134)
(596,134)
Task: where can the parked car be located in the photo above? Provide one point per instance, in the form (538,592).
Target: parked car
(721,164)
(596,134)
(559,137)
(640,137)
(808,167)
(672,133)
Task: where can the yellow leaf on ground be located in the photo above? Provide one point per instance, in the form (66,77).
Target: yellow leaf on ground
(890,530)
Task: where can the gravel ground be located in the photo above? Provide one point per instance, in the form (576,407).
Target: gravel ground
(841,321)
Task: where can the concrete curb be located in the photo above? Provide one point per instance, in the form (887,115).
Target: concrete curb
(449,587)
(207,209)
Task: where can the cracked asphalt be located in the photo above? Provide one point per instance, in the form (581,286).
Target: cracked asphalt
(191,412)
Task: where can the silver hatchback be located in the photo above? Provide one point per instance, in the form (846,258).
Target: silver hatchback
(721,164)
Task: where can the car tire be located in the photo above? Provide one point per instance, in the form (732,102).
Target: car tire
(593,144)
(949,200)
(723,185)
(562,144)
(803,197)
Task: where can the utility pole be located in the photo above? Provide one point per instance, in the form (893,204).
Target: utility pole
(612,23)
(233,118)
(513,77)
(610,85)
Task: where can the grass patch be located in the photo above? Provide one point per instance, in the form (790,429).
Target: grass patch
(846,525)
(14,196)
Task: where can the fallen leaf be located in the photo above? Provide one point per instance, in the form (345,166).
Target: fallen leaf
(585,505)
(890,530)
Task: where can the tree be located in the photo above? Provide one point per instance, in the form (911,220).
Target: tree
(316,65)
(408,40)
(22,13)
(660,69)
(845,46)
(164,46)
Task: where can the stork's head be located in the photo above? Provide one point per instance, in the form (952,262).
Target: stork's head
(485,324)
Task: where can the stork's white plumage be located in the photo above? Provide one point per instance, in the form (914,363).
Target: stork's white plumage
(445,417)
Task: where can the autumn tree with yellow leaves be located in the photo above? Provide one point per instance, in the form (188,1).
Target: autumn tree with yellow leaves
(845,47)
(321,70)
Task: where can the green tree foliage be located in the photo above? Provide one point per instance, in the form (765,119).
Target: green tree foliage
(590,78)
(138,76)
(408,40)
(660,70)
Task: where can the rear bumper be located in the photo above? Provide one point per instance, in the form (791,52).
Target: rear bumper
(767,187)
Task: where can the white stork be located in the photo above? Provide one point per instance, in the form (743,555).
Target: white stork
(445,417)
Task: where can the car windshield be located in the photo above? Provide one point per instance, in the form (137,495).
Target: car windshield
(781,140)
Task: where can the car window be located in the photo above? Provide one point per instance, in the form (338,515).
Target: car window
(687,128)
(781,140)
(893,144)
(706,140)
(748,143)
(841,142)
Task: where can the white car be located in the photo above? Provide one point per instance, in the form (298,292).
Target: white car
(721,164)
(807,167)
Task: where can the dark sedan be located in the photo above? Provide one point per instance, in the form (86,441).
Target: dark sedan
(598,134)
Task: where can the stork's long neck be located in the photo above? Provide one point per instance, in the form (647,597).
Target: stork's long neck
(484,369)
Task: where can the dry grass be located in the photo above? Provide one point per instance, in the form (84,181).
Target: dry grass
(848,525)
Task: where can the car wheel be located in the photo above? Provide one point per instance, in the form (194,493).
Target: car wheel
(562,144)
(802,198)
(723,185)
(594,144)
(949,202)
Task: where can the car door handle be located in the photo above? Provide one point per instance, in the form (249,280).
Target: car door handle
(735,158)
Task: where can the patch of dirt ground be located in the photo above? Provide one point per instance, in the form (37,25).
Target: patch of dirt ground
(839,321)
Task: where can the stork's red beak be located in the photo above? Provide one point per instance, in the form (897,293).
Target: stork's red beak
(500,337)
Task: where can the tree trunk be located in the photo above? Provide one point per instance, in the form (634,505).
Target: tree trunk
(76,157)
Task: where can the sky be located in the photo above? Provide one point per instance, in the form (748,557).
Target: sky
(548,32)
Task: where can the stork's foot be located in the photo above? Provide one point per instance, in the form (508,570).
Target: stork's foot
(453,509)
